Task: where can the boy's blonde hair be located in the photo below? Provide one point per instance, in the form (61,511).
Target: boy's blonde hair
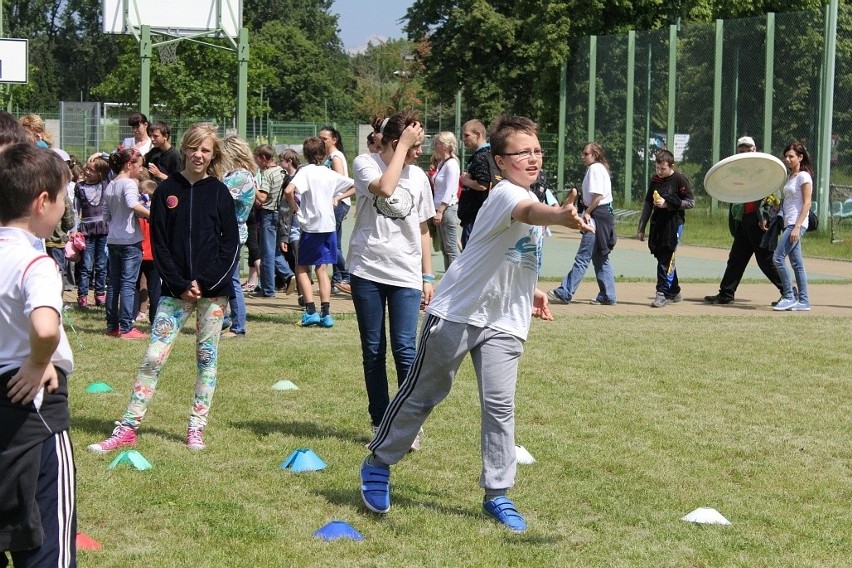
(35,124)
(147,186)
(236,154)
(194,137)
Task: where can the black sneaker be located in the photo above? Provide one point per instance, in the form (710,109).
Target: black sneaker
(718,299)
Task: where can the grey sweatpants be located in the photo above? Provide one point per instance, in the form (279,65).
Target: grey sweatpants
(443,345)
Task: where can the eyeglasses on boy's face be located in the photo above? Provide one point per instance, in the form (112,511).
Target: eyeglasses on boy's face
(526,154)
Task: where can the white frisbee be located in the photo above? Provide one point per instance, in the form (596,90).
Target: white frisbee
(745,177)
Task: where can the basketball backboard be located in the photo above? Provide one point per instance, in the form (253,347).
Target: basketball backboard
(173,17)
(13,61)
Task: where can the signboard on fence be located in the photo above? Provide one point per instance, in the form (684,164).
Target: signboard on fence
(14,67)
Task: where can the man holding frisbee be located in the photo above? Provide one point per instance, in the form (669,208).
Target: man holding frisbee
(747,227)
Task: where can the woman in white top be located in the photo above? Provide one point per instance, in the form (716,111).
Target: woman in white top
(336,160)
(140,139)
(794,214)
(446,180)
(390,256)
(596,245)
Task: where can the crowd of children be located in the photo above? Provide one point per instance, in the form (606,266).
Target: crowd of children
(161,238)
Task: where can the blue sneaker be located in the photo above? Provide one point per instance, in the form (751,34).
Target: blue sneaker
(326,321)
(785,304)
(310,319)
(375,487)
(801,307)
(504,512)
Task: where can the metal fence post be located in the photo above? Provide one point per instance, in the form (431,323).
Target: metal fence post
(628,130)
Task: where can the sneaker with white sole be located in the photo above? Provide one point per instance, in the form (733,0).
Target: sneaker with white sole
(660,301)
(555,298)
(375,486)
(503,510)
(122,436)
(418,441)
(801,307)
(195,439)
(785,304)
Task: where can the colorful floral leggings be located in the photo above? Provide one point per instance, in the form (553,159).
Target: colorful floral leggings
(172,314)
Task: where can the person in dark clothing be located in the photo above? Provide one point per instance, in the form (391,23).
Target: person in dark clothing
(669,196)
(163,159)
(37,476)
(195,239)
(479,177)
(747,227)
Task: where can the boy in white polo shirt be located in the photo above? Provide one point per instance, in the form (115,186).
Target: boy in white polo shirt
(316,187)
(37,505)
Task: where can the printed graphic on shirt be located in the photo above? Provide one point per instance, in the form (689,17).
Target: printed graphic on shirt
(397,206)
(527,251)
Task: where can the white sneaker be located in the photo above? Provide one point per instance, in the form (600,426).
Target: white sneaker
(801,307)
(418,441)
(785,304)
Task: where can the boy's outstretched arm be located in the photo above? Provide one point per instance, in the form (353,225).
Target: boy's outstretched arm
(536,213)
(37,370)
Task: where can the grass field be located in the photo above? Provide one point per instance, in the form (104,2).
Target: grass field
(634,421)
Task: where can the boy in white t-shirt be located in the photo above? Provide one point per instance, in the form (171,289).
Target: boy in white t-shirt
(483,306)
(316,186)
(37,479)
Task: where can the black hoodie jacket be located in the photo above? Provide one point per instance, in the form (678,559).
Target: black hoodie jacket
(194,236)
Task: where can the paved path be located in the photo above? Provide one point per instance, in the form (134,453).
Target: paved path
(632,260)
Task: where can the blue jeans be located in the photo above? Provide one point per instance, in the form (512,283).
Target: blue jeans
(340,273)
(94,266)
(587,251)
(267,229)
(124,264)
(238,302)
(372,300)
(794,251)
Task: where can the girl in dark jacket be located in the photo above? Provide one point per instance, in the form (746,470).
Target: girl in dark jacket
(195,242)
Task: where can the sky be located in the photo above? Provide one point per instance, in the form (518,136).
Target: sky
(362,21)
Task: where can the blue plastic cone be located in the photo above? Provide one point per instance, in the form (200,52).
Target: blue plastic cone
(284,385)
(303,459)
(131,458)
(337,529)
(98,388)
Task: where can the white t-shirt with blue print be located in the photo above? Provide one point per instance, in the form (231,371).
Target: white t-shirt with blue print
(491,283)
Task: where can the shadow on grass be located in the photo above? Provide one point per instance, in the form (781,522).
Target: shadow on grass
(401,501)
(299,429)
(103,427)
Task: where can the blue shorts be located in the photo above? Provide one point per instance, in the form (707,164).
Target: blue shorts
(317,248)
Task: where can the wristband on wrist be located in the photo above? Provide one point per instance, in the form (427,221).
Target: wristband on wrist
(430,278)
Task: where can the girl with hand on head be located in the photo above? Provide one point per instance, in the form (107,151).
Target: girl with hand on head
(390,253)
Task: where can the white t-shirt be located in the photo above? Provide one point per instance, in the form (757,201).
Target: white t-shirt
(597,182)
(447,183)
(794,200)
(120,197)
(315,186)
(146,146)
(491,283)
(339,154)
(30,279)
(386,245)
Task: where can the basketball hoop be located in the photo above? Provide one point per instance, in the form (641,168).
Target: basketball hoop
(168,53)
